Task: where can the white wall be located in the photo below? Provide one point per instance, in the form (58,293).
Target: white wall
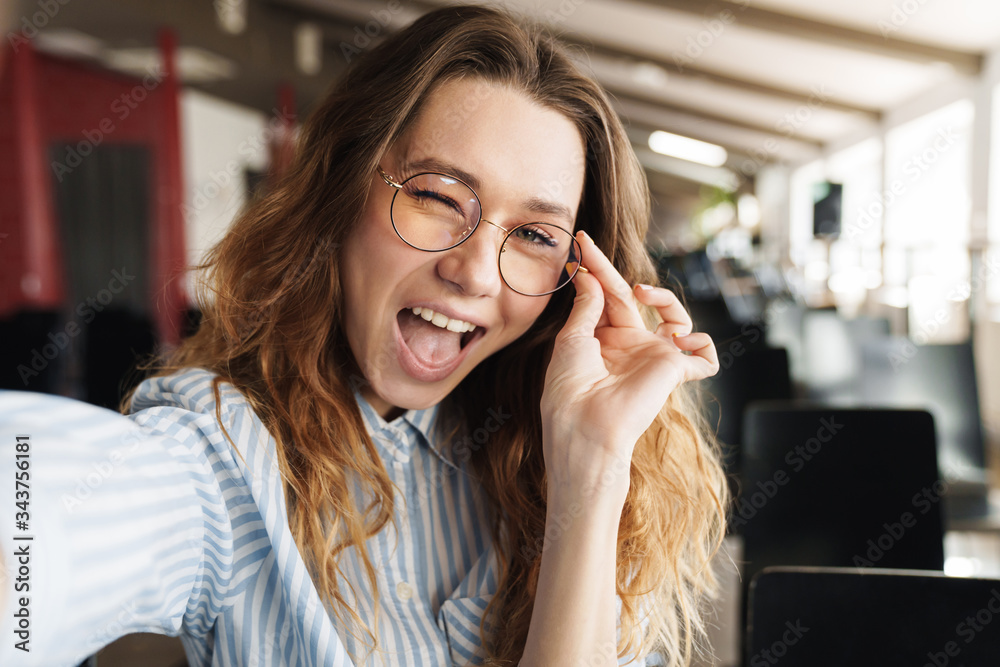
(220,140)
(983,218)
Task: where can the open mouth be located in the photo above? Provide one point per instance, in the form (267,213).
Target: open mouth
(433,345)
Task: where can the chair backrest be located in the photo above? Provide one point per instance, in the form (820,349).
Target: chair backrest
(747,374)
(839,488)
(940,379)
(831,354)
(814,617)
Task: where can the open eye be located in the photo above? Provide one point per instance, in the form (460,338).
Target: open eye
(534,235)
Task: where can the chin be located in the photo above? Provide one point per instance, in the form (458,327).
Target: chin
(406,393)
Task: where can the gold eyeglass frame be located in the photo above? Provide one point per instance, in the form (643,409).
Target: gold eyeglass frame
(466,235)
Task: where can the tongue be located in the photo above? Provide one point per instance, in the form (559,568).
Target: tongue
(430,344)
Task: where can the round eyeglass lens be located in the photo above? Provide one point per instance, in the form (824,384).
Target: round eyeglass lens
(434,211)
(537,258)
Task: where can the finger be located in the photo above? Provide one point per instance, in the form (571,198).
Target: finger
(669,329)
(702,350)
(670,308)
(619,302)
(588,305)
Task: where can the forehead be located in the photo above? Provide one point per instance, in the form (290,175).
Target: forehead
(512,144)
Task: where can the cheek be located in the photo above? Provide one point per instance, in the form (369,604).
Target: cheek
(521,312)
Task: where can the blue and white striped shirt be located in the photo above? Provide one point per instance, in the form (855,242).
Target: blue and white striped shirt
(152,523)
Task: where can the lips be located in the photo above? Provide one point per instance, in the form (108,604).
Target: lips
(432,345)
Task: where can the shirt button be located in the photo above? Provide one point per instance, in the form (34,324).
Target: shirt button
(404,591)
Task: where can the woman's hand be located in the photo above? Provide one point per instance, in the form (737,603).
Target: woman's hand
(610,376)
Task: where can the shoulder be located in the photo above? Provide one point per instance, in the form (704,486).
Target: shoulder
(199,409)
(193,389)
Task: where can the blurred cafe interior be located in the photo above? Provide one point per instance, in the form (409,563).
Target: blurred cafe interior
(826,202)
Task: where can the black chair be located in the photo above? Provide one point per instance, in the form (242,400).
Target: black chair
(34,353)
(839,488)
(116,340)
(747,374)
(830,617)
(942,380)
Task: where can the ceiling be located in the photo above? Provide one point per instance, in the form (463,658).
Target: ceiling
(770,80)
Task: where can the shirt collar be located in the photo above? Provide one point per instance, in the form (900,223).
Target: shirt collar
(398,436)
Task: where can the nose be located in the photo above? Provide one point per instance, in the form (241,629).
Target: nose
(472,267)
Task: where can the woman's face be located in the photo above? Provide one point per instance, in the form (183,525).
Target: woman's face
(525,162)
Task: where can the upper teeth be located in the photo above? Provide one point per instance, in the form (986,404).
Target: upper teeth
(443,321)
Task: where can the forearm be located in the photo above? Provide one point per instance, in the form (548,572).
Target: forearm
(113,534)
(574,617)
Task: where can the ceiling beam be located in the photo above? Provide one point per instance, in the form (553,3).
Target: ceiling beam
(333,14)
(608,50)
(735,121)
(873,42)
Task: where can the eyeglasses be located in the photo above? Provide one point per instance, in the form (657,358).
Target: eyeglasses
(436,212)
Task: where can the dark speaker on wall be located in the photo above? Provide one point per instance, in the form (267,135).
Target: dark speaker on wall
(827,204)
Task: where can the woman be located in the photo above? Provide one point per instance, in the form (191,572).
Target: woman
(454,456)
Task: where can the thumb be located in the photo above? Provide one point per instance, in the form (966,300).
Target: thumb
(587,307)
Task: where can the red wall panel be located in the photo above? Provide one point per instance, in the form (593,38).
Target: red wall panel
(57,101)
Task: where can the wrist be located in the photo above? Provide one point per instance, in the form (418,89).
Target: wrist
(603,489)
(587,469)
(592,519)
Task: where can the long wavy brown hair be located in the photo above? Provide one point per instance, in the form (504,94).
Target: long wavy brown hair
(273,327)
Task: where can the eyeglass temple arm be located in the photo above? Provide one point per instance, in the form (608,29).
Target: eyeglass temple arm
(387,178)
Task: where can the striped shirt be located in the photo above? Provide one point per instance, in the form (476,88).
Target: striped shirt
(152,523)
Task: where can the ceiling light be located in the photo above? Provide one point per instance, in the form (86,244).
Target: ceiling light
(231,15)
(69,43)
(689,149)
(194,65)
(650,75)
(308,48)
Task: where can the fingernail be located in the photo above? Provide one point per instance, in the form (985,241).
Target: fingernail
(586,236)
(643,286)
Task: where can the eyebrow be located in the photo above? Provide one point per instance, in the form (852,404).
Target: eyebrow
(533,204)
